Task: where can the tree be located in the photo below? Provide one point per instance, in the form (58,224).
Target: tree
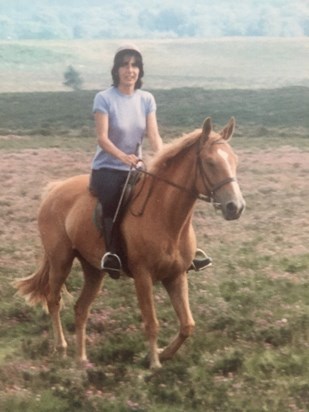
(72,78)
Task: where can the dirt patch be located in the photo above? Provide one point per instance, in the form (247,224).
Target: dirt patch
(274,183)
(23,176)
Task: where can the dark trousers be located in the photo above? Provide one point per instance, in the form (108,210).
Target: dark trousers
(107,185)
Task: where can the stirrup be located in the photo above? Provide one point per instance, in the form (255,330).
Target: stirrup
(111,264)
(200,264)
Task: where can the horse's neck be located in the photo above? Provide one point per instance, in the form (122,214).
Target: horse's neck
(175,204)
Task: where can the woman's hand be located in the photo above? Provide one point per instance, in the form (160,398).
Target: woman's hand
(130,159)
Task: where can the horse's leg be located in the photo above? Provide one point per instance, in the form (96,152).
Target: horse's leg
(178,291)
(144,292)
(59,270)
(92,285)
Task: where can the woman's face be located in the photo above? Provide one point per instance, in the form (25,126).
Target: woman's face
(128,72)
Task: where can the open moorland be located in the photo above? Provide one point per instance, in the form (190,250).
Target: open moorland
(250,349)
(222,63)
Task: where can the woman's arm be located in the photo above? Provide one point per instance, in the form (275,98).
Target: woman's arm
(153,132)
(101,122)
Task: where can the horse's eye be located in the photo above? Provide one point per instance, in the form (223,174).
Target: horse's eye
(211,163)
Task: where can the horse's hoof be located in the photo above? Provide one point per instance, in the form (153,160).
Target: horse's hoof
(164,355)
(151,364)
(154,366)
(60,351)
(85,364)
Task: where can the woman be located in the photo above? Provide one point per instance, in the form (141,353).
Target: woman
(124,114)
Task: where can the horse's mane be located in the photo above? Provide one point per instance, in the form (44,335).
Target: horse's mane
(172,149)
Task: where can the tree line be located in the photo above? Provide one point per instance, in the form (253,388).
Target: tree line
(53,19)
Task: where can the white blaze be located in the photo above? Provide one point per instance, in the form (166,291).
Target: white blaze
(223,154)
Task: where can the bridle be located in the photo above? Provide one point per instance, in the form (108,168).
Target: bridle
(209,187)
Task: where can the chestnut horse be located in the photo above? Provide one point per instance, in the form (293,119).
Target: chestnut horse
(157,232)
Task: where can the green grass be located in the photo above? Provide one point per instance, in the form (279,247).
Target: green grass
(46,114)
(280,113)
(249,352)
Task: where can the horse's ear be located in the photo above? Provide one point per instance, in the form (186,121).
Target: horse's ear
(207,128)
(228,130)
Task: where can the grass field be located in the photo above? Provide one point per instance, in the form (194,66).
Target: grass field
(225,63)
(249,352)
(279,112)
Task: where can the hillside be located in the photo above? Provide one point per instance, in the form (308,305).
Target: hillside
(222,63)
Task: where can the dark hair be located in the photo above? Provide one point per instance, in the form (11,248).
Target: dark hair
(118,61)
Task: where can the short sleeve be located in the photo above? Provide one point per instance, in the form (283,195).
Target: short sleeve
(100,104)
(151,104)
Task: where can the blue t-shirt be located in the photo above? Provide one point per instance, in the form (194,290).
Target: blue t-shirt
(126,120)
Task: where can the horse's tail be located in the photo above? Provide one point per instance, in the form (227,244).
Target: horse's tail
(35,288)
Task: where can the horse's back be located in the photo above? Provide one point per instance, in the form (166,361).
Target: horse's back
(62,197)
(72,186)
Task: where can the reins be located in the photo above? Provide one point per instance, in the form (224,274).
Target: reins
(176,185)
(211,189)
(168,182)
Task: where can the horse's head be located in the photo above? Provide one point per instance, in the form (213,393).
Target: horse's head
(217,169)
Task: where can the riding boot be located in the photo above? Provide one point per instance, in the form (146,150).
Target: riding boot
(111,262)
(200,263)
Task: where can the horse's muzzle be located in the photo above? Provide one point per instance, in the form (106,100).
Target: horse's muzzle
(232,210)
